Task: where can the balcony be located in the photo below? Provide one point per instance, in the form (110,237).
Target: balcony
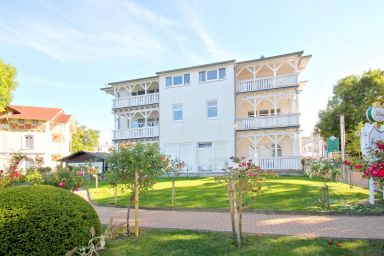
(264,122)
(267,83)
(145,99)
(279,163)
(136,133)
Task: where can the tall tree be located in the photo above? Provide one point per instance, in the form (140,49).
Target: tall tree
(7,84)
(84,139)
(351,96)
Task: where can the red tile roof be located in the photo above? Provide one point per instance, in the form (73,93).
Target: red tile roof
(56,115)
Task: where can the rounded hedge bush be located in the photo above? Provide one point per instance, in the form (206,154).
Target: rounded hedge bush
(44,220)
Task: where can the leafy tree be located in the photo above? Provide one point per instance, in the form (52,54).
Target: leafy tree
(7,84)
(84,139)
(173,168)
(351,96)
(137,168)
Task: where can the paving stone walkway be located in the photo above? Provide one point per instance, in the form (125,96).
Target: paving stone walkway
(362,227)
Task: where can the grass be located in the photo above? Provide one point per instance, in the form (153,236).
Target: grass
(280,193)
(172,242)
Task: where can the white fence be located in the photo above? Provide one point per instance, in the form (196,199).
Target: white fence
(267,83)
(268,122)
(139,100)
(279,163)
(135,133)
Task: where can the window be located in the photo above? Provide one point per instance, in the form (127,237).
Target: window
(35,122)
(178,113)
(28,141)
(279,150)
(177,80)
(212,75)
(222,73)
(182,151)
(212,155)
(168,81)
(201,76)
(21,121)
(263,112)
(212,109)
(187,78)
(277,111)
(251,114)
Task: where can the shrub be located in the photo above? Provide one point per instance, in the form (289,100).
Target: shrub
(34,178)
(43,220)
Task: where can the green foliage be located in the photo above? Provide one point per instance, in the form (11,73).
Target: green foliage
(351,96)
(69,178)
(84,139)
(43,220)
(34,177)
(7,84)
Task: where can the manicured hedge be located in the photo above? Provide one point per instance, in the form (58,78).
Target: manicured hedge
(43,220)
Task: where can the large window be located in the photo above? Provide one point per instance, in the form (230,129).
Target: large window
(211,75)
(177,80)
(212,108)
(212,156)
(181,151)
(28,141)
(177,113)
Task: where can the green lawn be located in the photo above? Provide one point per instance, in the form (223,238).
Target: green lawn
(280,193)
(171,242)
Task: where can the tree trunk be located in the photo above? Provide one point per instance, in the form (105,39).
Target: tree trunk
(115,193)
(236,216)
(241,204)
(231,210)
(137,191)
(173,191)
(128,232)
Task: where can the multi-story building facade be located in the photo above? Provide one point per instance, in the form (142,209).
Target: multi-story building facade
(205,114)
(35,132)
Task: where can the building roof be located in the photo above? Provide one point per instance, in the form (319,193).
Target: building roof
(300,53)
(198,66)
(56,115)
(82,156)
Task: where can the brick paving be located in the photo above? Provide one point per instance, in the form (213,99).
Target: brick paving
(362,227)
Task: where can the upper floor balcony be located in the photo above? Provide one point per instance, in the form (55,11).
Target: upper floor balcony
(266,122)
(267,83)
(136,133)
(139,100)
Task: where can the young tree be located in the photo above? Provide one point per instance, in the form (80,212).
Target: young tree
(7,84)
(240,180)
(173,168)
(137,167)
(351,96)
(84,139)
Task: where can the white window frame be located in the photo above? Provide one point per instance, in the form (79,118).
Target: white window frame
(213,147)
(172,84)
(28,141)
(35,122)
(206,80)
(217,109)
(173,113)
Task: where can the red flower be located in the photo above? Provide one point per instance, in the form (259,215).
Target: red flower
(375,173)
(346,162)
(12,168)
(382,165)
(250,174)
(381,173)
(243,164)
(339,244)
(80,173)
(61,184)
(358,166)
(366,172)
(2,171)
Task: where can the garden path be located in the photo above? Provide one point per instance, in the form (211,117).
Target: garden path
(361,227)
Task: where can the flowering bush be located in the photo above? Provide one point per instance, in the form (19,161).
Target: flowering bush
(376,167)
(67,178)
(10,177)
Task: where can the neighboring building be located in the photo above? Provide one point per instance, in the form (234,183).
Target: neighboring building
(205,114)
(35,132)
(104,147)
(93,159)
(313,146)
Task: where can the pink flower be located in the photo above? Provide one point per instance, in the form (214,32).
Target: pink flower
(61,184)
(12,168)
(250,174)
(80,173)
(375,173)
(346,162)
(243,164)
(381,173)
(382,165)
(366,172)
(358,166)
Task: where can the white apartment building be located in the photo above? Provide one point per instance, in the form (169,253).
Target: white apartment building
(205,114)
(35,132)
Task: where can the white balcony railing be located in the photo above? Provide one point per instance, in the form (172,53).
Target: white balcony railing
(266,83)
(136,133)
(279,163)
(139,100)
(263,122)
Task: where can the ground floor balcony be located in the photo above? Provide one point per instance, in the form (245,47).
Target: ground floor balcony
(279,163)
(265,122)
(267,83)
(139,100)
(136,133)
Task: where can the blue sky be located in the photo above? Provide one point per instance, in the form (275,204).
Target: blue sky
(65,51)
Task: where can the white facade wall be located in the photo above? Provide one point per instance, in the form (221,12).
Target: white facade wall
(181,139)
